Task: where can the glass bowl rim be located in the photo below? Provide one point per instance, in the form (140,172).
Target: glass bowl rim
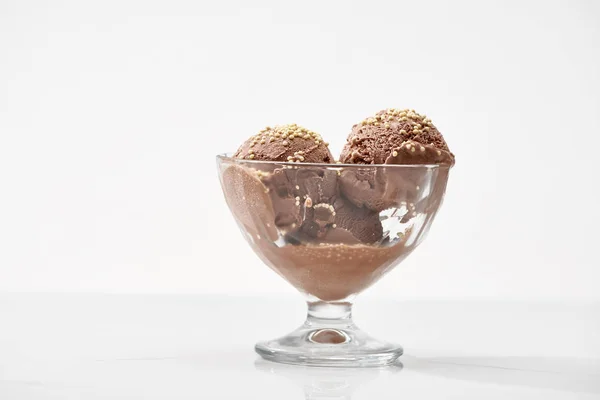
(228,157)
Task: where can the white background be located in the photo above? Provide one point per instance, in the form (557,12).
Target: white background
(111,114)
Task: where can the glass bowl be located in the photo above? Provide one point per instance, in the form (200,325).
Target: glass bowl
(331,230)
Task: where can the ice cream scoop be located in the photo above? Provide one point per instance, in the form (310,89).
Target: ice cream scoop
(396,137)
(390,137)
(285,143)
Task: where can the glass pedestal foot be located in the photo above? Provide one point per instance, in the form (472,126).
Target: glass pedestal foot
(329,338)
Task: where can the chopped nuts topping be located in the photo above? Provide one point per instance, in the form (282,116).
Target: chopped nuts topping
(285,134)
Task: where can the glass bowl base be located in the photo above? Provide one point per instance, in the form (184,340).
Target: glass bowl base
(329,346)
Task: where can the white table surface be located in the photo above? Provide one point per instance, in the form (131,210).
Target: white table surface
(201,347)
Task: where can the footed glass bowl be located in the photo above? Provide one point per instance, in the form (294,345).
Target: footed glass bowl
(331,230)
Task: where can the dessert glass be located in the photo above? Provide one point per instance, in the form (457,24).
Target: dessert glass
(331,231)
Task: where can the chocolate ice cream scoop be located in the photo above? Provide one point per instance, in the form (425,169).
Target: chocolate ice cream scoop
(376,139)
(362,223)
(288,188)
(377,189)
(390,137)
(285,143)
(293,192)
(332,212)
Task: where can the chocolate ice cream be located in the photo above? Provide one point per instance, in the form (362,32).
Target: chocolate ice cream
(285,143)
(333,248)
(396,137)
(333,230)
(305,202)
(308,204)
(390,137)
